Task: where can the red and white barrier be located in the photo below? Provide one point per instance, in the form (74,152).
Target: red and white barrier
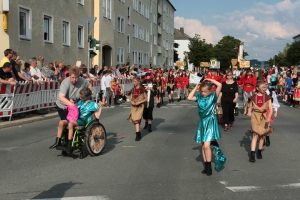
(125,84)
(49,94)
(27,97)
(6,100)
(96,88)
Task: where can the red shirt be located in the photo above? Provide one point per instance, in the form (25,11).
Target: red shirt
(184,81)
(117,90)
(248,84)
(177,82)
(136,92)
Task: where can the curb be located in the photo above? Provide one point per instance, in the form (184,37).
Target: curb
(18,122)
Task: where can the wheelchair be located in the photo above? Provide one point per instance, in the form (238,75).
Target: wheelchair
(89,139)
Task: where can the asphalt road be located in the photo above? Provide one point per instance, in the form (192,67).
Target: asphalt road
(165,164)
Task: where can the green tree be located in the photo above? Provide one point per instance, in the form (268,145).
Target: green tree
(281,58)
(200,51)
(226,49)
(293,53)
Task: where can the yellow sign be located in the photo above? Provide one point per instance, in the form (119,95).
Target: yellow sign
(234,62)
(179,63)
(245,64)
(204,64)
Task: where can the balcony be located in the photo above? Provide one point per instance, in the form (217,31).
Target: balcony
(159,49)
(159,10)
(159,30)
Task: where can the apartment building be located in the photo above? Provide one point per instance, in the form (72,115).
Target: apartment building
(139,32)
(53,29)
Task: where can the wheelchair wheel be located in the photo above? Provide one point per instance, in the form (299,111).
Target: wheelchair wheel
(95,139)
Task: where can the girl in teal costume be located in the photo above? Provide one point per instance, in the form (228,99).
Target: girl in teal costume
(208,131)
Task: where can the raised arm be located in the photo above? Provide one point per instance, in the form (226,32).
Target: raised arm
(191,96)
(218,84)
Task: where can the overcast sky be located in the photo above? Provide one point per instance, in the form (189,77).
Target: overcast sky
(256,23)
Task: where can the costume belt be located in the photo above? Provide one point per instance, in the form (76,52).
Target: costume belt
(170,85)
(248,85)
(262,113)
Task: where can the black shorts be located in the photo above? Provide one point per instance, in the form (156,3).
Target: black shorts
(169,89)
(62,113)
(147,114)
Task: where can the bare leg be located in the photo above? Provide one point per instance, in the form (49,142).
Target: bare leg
(261,143)
(253,142)
(61,125)
(137,127)
(71,129)
(207,151)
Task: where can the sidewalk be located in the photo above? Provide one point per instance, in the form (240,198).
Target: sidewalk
(28,119)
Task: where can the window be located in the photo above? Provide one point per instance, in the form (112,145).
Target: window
(135,5)
(146,59)
(154,19)
(120,55)
(135,57)
(66,33)
(81,2)
(80,37)
(128,43)
(48,28)
(140,58)
(135,31)
(107,9)
(25,23)
(128,15)
(121,24)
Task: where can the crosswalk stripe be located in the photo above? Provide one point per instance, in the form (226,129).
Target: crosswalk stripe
(77,198)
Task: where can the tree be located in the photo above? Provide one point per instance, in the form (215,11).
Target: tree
(293,53)
(281,57)
(200,51)
(226,49)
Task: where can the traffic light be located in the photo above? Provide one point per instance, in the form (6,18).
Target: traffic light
(93,46)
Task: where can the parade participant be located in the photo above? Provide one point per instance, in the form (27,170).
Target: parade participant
(228,98)
(69,91)
(223,77)
(150,88)
(247,82)
(158,95)
(275,106)
(138,97)
(258,105)
(178,87)
(297,92)
(170,85)
(86,109)
(213,75)
(208,131)
(184,81)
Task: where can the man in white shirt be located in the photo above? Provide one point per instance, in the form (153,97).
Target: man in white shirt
(35,72)
(109,91)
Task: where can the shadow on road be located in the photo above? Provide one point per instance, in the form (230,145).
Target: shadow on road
(112,142)
(57,191)
(200,158)
(246,141)
(155,124)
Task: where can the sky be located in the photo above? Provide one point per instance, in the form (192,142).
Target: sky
(265,26)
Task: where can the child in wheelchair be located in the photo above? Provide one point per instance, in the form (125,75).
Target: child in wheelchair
(87,109)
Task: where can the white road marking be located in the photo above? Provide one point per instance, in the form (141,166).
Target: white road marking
(223,182)
(244,188)
(78,198)
(292,185)
(193,106)
(176,106)
(126,107)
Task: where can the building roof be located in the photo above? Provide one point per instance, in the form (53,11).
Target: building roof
(180,35)
(296,36)
(171,5)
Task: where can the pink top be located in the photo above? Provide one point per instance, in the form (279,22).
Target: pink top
(73,113)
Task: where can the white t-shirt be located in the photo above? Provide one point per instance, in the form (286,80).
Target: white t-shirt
(35,71)
(103,87)
(269,78)
(108,81)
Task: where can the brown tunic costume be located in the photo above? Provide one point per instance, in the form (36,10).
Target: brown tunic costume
(137,111)
(259,117)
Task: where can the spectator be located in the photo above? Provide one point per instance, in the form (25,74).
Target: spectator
(16,70)
(66,71)
(34,71)
(8,54)
(50,71)
(103,87)
(61,69)
(40,62)
(109,90)
(96,68)
(6,74)
(26,71)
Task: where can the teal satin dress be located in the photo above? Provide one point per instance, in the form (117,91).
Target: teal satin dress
(208,128)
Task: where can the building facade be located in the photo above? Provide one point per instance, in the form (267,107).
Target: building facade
(53,29)
(183,42)
(138,32)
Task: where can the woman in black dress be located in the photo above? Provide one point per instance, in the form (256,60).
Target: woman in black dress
(228,98)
